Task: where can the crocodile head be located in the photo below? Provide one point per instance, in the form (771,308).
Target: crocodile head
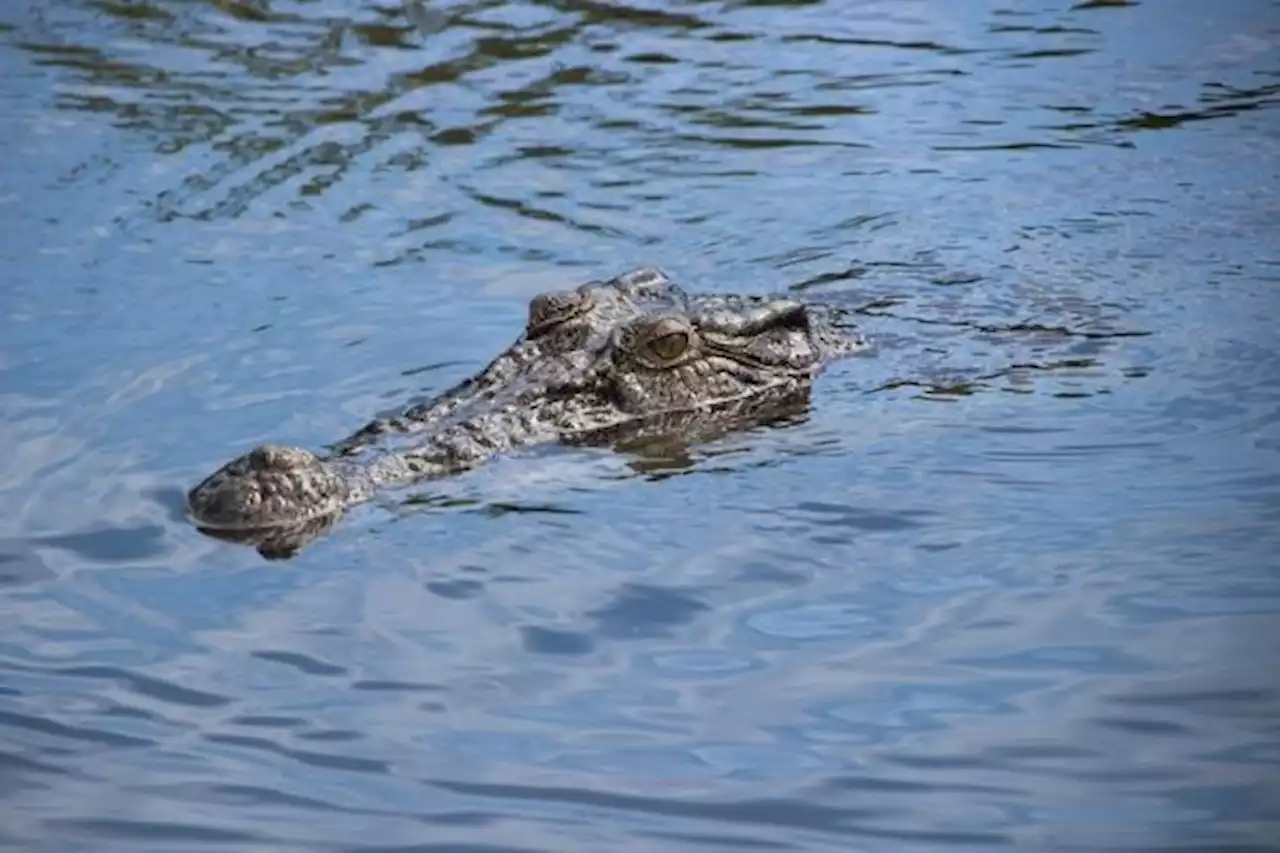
(607,362)
(714,364)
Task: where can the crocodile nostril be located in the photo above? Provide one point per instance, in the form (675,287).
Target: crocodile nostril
(275,457)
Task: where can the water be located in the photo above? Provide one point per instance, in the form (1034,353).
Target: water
(1010,584)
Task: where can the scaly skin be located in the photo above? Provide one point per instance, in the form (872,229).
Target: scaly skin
(624,359)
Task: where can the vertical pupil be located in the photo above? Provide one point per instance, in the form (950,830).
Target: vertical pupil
(670,345)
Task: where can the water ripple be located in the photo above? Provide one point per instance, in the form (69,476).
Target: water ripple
(1007,584)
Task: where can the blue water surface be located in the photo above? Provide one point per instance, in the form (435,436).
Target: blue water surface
(1011,584)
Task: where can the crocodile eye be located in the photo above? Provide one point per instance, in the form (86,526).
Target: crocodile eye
(549,309)
(670,346)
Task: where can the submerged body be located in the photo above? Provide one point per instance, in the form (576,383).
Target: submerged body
(622,359)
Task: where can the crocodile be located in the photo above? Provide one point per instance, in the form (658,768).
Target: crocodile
(622,360)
